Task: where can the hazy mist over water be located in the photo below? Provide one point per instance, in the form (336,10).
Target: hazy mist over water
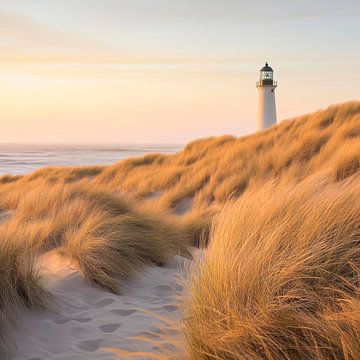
(25,158)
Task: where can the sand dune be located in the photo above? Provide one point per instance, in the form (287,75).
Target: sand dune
(117,221)
(87,320)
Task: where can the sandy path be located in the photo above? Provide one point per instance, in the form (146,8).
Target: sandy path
(88,319)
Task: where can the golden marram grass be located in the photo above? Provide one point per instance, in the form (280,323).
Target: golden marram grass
(106,236)
(209,172)
(280,277)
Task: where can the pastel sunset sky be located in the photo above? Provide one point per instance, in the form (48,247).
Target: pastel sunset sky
(167,71)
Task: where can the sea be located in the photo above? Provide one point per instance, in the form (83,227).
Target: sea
(25,158)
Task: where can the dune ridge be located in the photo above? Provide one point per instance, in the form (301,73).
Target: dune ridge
(208,172)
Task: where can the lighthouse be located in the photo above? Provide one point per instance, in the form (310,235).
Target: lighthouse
(267,107)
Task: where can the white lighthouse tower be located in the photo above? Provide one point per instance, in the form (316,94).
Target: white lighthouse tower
(267,107)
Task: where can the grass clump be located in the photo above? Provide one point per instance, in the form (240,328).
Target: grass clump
(280,279)
(21,285)
(104,234)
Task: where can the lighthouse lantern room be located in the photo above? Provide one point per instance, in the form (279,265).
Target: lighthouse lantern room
(266,89)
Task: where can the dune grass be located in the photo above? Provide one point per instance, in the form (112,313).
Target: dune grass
(21,285)
(209,172)
(105,235)
(279,280)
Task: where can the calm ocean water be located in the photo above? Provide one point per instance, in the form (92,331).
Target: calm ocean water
(20,159)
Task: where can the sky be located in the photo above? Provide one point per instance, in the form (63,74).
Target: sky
(167,71)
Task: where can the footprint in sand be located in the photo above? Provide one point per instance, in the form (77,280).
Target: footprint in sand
(64,321)
(162,290)
(109,328)
(104,302)
(89,345)
(122,312)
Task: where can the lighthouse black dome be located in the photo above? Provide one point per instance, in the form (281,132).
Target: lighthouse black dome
(266,68)
(266,77)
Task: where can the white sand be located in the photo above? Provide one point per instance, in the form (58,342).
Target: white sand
(87,319)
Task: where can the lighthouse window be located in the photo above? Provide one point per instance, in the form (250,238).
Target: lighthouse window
(266,75)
